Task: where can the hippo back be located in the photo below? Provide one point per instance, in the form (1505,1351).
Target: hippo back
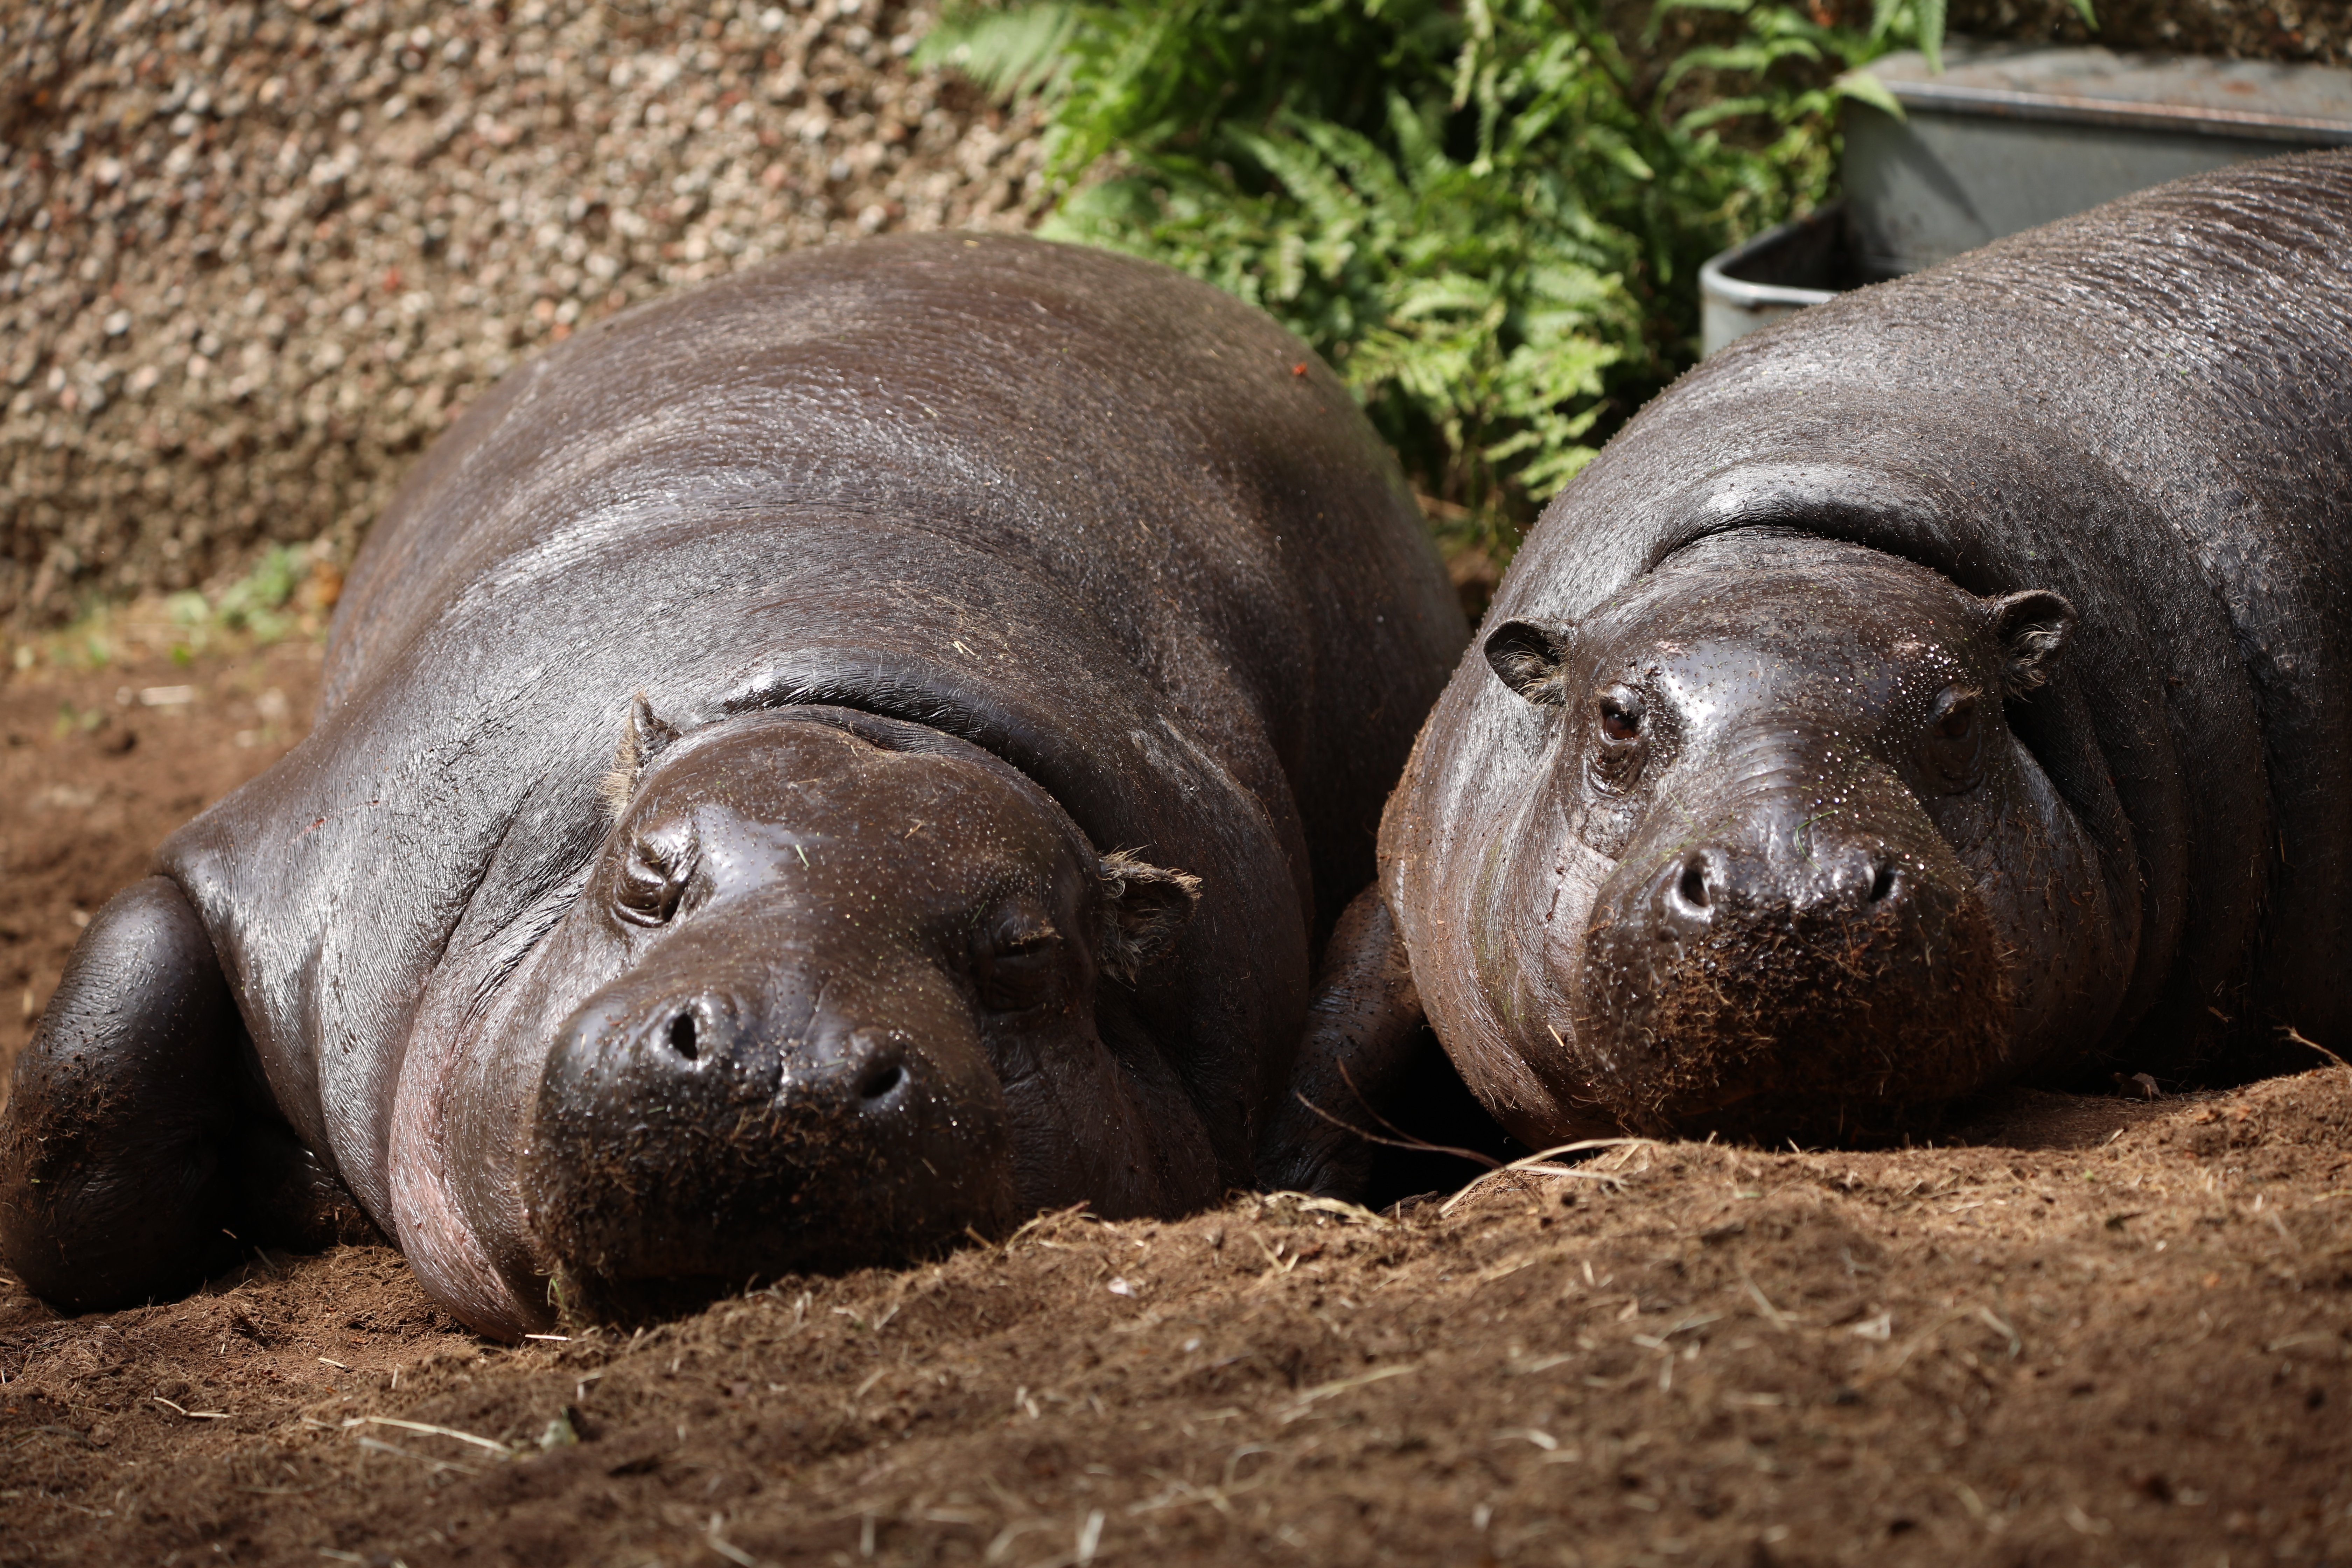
(1169,459)
(1101,519)
(2147,409)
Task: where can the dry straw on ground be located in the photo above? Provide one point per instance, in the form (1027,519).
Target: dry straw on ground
(2113,1332)
(2104,1332)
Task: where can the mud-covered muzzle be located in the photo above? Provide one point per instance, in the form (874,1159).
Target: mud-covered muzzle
(688,1139)
(1765,966)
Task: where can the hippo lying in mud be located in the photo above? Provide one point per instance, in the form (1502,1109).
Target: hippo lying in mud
(1950,685)
(834,760)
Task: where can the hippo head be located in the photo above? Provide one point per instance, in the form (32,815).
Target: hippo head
(827,999)
(1790,872)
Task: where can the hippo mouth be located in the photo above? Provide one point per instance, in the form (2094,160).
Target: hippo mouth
(652,1183)
(1827,1024)
(678,1210)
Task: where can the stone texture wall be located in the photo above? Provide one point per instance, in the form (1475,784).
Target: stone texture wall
(254,256)
(2316,32)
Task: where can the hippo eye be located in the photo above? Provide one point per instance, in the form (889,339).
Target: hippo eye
(1619,716)
(1953,736)
(653,878)
(1017,971)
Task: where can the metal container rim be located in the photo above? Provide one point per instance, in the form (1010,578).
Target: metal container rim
(1715,280)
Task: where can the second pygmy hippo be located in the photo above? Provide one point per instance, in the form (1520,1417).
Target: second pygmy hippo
(1950,685)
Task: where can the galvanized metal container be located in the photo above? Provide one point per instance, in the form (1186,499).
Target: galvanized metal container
(2008,137)
(1780,271)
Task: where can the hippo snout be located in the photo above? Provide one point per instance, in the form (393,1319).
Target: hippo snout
(1864,882)
(1786,973)
(825,1066)
(705,1136)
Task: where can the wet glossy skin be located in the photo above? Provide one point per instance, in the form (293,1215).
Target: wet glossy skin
(2144,863)
(1780,837)
(817,974)
(1132,599)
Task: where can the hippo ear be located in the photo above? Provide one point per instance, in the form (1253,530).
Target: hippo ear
(643,738)
(1146,907)
(2032,627)
(1528,658)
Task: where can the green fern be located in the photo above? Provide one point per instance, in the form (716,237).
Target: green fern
(1477,211)
(1013,52)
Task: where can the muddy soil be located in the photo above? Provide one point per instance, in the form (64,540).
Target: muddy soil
(2090,1331)
(96,766)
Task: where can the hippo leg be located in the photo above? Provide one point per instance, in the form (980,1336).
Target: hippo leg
(1362,1029)
(131,1137)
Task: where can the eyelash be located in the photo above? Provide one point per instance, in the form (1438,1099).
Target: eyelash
(1016,976)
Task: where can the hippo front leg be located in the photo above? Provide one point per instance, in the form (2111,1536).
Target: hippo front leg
(130,1147)
(1362,1029)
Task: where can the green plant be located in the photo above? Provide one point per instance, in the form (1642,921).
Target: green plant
(255,602)
(268,604)
(1490,215)
(73,720)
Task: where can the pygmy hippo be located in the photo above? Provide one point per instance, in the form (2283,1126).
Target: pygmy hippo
(808,768)
(1950,685)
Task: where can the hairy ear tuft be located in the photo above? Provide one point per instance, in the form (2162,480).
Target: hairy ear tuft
(1145,909)
(643,738)
(1528,658)
(2033,628)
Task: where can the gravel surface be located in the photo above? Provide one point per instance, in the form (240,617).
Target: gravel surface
(2312,31)
(253,257)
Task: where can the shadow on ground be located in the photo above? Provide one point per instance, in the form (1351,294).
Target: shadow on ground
(2090,1331)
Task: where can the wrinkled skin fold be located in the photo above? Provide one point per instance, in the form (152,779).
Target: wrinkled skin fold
(802,1059)
(809,769)
(1948,686)
(1783,842)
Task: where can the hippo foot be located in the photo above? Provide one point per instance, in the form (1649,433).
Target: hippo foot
(1362,1030)
(135,1154)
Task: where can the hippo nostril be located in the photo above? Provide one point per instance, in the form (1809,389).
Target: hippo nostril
(1882,885)
(681,1036)
(1693,887)
(880,1080)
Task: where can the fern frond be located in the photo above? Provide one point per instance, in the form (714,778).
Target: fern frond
(1014,54)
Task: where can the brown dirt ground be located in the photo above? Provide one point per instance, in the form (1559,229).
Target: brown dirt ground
(2092,1331)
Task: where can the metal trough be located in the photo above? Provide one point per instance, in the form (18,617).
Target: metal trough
(2012,136)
